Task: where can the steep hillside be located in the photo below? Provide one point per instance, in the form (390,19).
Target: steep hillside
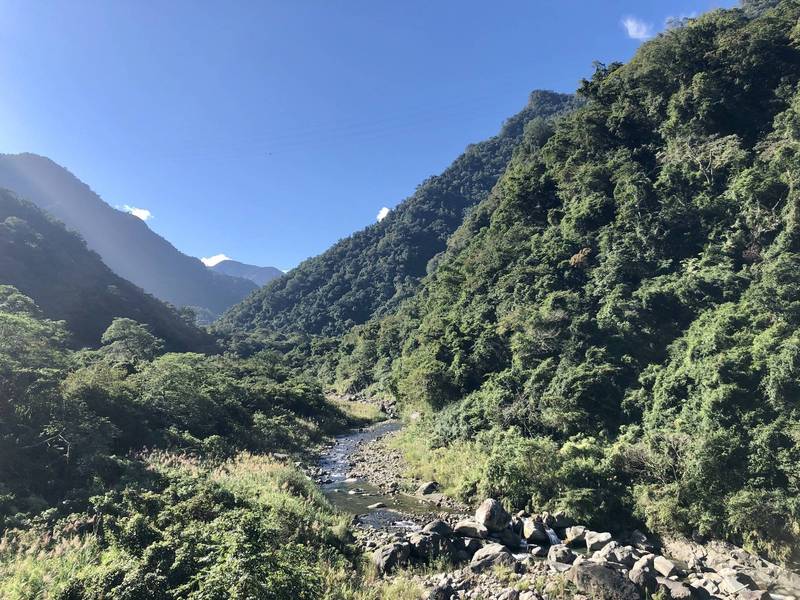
(125,243)
(67,281)
(614,332)
(372,270)
(258,275)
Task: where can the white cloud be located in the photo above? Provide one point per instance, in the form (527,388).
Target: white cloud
(382,214)
(139,213)
(637,29)
(210,261)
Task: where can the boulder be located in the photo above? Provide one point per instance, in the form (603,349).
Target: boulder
(508,538)
(644,578)
(490,556)
(389,557)
(601,582)
(471,529)
(492,515)
(438,526)
(534,532)
(537,551)
(465,548)
(561,554)
(429,546)
(613,552)
(429,487)
(595,540)
(665,566)
(734,582)
(376,505)
(674,590)
(575,534)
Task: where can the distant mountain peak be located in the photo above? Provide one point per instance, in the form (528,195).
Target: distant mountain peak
(227,266)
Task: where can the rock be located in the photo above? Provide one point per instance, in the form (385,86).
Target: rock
(376,505)
(465,548)
(533,531)
(537,551)
(601,582)
(595,540)
(429,546)
(490,556)
(643,577)
(471,529)
(640,541)
(388,557)
(492,515)
(575,534)
(754,595)
(664,566)
(674,590)
(426,488)
(719,555)
(560,553)
(508,538)
(443,591)
(734,582)
(438,526)
(613,552)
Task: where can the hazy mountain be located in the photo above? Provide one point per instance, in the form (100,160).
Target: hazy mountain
(124,242)
(69,282)
(258,275)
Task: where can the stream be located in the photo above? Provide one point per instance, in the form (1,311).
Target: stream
(354,496)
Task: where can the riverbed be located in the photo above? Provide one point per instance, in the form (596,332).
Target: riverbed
(355,495)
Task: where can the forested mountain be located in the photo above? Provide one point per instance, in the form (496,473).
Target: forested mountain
(373,270)
(258,275)
(614,331)
(43,260)
(125,243)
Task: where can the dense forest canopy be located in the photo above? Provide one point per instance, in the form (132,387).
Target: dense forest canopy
(371,271)
(627,297)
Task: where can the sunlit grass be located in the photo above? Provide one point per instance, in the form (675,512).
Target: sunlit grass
(365,412)
(458,467)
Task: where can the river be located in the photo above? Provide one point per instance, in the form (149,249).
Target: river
(355,496)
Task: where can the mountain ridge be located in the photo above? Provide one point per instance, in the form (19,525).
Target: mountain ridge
(124,242)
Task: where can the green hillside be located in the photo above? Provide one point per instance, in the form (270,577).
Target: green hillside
(69,282)
(371,271)
(614,331)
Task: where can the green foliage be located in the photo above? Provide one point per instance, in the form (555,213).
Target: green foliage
(620,313)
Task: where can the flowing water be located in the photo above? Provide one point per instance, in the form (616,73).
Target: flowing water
(354,496)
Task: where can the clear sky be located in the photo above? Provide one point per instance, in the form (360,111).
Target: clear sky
(267,130)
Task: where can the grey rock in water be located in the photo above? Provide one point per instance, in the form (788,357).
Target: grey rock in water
(492,515)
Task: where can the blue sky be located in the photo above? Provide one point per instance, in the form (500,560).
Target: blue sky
(268,130)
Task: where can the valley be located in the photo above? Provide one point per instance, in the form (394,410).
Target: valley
(567,367)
